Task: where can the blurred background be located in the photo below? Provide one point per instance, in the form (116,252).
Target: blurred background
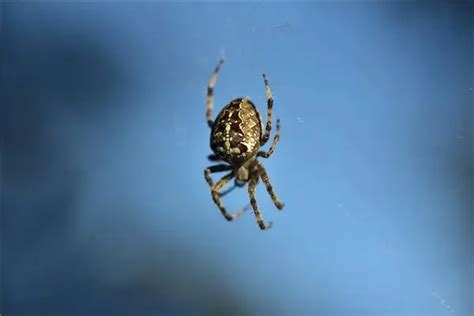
(104,142)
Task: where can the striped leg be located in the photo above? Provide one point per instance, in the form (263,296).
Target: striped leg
(268,127)
(252,185)
(213,169)
(266,180)
(217,199)
(274,143)
(210,92)
(218,168)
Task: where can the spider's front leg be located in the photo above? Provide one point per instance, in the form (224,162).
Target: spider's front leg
(216,195)
(252,185)
(268,127)
(210,92)
(274,143)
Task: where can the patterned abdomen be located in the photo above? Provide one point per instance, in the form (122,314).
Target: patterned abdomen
(236,133)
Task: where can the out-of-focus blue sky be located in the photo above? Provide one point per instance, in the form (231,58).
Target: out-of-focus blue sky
(105,208)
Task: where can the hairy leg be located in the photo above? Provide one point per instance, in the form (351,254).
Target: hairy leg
(213,169)
(266,181)
(268,127)
(210,94)
(215,191)
(252,185)
(237,184)
(274,143)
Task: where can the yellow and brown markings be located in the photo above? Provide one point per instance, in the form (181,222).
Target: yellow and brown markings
(235,136)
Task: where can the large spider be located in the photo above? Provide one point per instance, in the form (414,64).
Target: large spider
(236,137)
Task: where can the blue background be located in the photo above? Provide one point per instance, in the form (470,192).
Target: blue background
(105,208)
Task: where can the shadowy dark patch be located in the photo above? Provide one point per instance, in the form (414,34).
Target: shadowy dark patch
(54,77)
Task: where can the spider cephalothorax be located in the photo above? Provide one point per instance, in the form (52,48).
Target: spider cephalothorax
(236,137)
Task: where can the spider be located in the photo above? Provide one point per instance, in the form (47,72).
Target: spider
(236,137)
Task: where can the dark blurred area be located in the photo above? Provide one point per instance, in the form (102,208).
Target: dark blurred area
(54,81)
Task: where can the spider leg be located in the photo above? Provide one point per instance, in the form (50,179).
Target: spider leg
(233,187)
(220,168)
(213,157)
(266,180)
(252,184)
(274,143)
(213,169)
(268,126)
(227,191)
(215,191)
(210,91)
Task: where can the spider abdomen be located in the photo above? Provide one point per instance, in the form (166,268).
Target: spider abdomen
(235,136)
